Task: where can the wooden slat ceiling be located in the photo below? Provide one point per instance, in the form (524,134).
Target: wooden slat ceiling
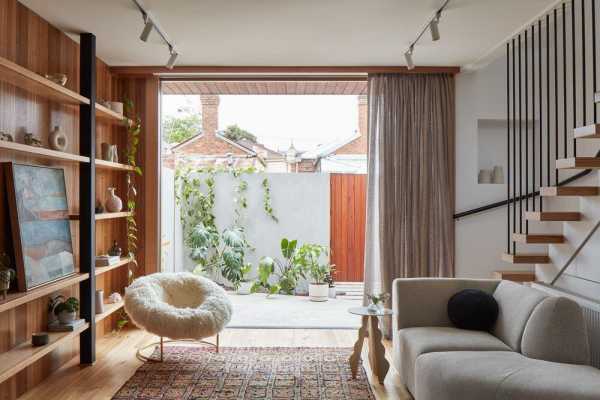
(265,87)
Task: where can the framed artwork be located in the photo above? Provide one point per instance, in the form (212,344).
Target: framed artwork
(39,219)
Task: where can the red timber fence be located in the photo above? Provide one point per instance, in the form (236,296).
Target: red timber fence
(347,233)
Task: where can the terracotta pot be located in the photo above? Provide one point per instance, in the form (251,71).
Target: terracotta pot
(114,203)
(318,292)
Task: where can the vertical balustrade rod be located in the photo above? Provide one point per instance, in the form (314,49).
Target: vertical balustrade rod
(564,43)
(594,55)
(574,67)
(520,143)
(557,146)
(508,230)
(533,159)
(540,99)
(583,66)
(526,43)
(548,140)
(514,141)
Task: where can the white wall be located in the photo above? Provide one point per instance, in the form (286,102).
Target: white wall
(300,202)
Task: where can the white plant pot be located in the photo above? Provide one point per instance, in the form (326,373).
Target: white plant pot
(318,292)
(332,292)
(66,317)
(245,287)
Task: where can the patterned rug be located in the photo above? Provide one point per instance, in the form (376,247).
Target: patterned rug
(198,373)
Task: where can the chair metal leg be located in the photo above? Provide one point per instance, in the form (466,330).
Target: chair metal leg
(161,349)
(217,342)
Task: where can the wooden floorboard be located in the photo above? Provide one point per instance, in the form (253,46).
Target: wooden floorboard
(116,362)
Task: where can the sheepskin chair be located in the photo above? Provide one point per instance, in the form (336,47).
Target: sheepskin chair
(178,306)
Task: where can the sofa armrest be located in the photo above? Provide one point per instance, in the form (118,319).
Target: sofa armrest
(423,301)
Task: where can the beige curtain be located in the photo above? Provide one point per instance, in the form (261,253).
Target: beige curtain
(410,195)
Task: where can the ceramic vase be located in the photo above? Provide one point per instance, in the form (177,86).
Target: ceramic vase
(5,275)
(115,250)
(57,139)
(332,292)
(99,301)
(114,203)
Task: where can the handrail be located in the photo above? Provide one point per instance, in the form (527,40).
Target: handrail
(576,253)
(524,197)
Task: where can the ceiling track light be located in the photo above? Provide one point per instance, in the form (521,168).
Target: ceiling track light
(434,27)
(150,24)
(172,58)
(147,29)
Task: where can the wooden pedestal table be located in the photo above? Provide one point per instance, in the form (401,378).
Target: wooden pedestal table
(370,322)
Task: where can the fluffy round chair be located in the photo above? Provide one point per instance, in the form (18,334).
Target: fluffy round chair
(179,306)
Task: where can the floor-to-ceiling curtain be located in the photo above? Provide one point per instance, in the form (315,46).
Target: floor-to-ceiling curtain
(410,195)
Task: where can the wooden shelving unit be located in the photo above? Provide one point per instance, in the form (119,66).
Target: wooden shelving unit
(103,270)
(105,114)
(33,83)
(16,299)
(109,308)
(43,152)
(103,216)
(102,164)
(23,355)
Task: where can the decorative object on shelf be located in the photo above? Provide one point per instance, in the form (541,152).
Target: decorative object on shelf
(39,339)
(116,106)
(485,176)
(39,216)
(99,301)
(109,152)
(103,102)
(68,327)
(57,139)
(52,303)
(6,137)
(60,79)
(114,298)
(66,310)
(114,203)
(7,274)
(30,140)
(498,175)
(377,301)
(105,260)
(98,209)
(115,250)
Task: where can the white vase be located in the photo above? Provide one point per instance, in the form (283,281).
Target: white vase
(318,292)
(114,203)
(498,175)
(245,287)
(66,317)
(99,301)
(57,139)
(332,292)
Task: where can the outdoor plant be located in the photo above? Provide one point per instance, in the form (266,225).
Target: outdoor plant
(308,257)
(266,268)
(267,200)
(287,269)
(245,272)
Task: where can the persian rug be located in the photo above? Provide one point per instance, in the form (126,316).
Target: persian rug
(199,373)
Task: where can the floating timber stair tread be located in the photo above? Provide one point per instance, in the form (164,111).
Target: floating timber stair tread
(560,216)
(526,258)
(588,132)
(578,163)
(558,191)
(538,238)
(515,276)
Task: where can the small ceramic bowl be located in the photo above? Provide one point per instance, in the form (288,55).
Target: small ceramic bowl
(39,339)
(60,79)
(116,106)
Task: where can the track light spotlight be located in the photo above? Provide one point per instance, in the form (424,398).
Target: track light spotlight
(147,29)
(434,28)
(408,57)
(172,59)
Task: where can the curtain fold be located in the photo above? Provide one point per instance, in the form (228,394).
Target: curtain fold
(410,193)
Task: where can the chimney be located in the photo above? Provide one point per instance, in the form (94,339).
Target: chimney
(363,115)
(210,114)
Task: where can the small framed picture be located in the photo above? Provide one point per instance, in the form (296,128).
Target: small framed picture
(39,219)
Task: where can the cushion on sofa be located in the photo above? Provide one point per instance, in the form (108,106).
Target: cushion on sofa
(410,343)
(473,309)
(556,331)
(516,303)
(468,375)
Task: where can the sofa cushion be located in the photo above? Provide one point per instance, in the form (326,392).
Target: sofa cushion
(473,309)
(410,343)
(503,375)
(556,331)
(516,303)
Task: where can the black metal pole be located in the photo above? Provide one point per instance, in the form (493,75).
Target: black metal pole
(564,43)
(594,56)
(583,66)
(548,177)
(87,196)
(540,99)
(574,67)
(533,158)
(520,144)
(514,142)
(526,44)
(508,231)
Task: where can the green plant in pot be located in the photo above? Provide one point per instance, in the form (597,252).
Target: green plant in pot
(287,270)
(308,257)
(246,282)
(266,268)
(66,311)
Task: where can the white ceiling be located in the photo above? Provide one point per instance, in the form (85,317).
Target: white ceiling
(296,33)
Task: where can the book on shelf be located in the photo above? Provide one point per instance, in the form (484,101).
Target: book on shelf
(106,261)
(57,326)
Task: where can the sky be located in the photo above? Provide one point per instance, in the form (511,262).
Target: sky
(277,120)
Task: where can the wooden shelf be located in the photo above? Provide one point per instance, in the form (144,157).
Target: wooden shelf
(100,217)
(102,270)
(107,115)
(16,299)
(19,358)
(102,164)
(43,152)
(109,308)
(25,79)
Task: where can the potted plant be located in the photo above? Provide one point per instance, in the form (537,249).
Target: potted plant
(377,301)
(266,267)
(245,283)
(66,311)
(309,258)
(331,283)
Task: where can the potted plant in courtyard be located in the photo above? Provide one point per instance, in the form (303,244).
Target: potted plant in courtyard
(309,258)
(331,283)
(266,267)
(245,283)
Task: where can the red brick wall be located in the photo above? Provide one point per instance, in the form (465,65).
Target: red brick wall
(360,144)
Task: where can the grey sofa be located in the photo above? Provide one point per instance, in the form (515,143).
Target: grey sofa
(538,348)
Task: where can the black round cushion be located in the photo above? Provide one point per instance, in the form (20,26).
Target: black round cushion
(473,309)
